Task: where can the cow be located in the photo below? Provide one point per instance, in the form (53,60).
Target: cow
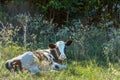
(53,56)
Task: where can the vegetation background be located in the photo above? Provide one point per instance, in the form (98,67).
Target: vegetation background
(93,25)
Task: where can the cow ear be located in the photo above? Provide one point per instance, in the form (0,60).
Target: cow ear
(52,46)
(68,42)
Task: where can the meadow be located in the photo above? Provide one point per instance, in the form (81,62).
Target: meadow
(77,70)
(92,25)
(93,55)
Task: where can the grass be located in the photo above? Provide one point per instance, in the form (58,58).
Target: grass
(77,70)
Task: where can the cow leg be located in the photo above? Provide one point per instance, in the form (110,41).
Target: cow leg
(57,66)
(62,67)
(34,68)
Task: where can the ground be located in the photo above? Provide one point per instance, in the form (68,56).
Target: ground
(84,70)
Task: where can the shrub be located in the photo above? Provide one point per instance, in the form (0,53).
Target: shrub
(89,42)
(111,48)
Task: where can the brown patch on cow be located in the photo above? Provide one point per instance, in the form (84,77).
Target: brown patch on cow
(16,65)
(40,55)
(56,53)
(59,61)
(52,46)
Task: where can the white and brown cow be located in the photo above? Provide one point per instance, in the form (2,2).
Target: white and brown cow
(31,60)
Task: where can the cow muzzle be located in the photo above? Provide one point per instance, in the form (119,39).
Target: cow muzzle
(62,57)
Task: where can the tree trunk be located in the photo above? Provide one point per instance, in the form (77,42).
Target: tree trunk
(67,18)
(25,35)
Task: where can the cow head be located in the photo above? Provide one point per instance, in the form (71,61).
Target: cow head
(59,48)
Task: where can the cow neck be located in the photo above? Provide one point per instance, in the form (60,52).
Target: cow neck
(55,53)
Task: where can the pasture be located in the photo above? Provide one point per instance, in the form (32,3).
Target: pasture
(77,70)
(92,25)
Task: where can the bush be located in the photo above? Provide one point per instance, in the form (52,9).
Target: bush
(38,31)
(89,42)
(111,48)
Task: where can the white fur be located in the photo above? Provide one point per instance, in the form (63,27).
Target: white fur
(28,60)
(59,65)
(61,46)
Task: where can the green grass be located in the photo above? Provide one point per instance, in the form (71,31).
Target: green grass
(77,70)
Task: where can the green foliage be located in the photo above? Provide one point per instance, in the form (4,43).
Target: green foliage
(58,5)
(8,33)
(54,4)
(89,42)
(40,31)
(111,48)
